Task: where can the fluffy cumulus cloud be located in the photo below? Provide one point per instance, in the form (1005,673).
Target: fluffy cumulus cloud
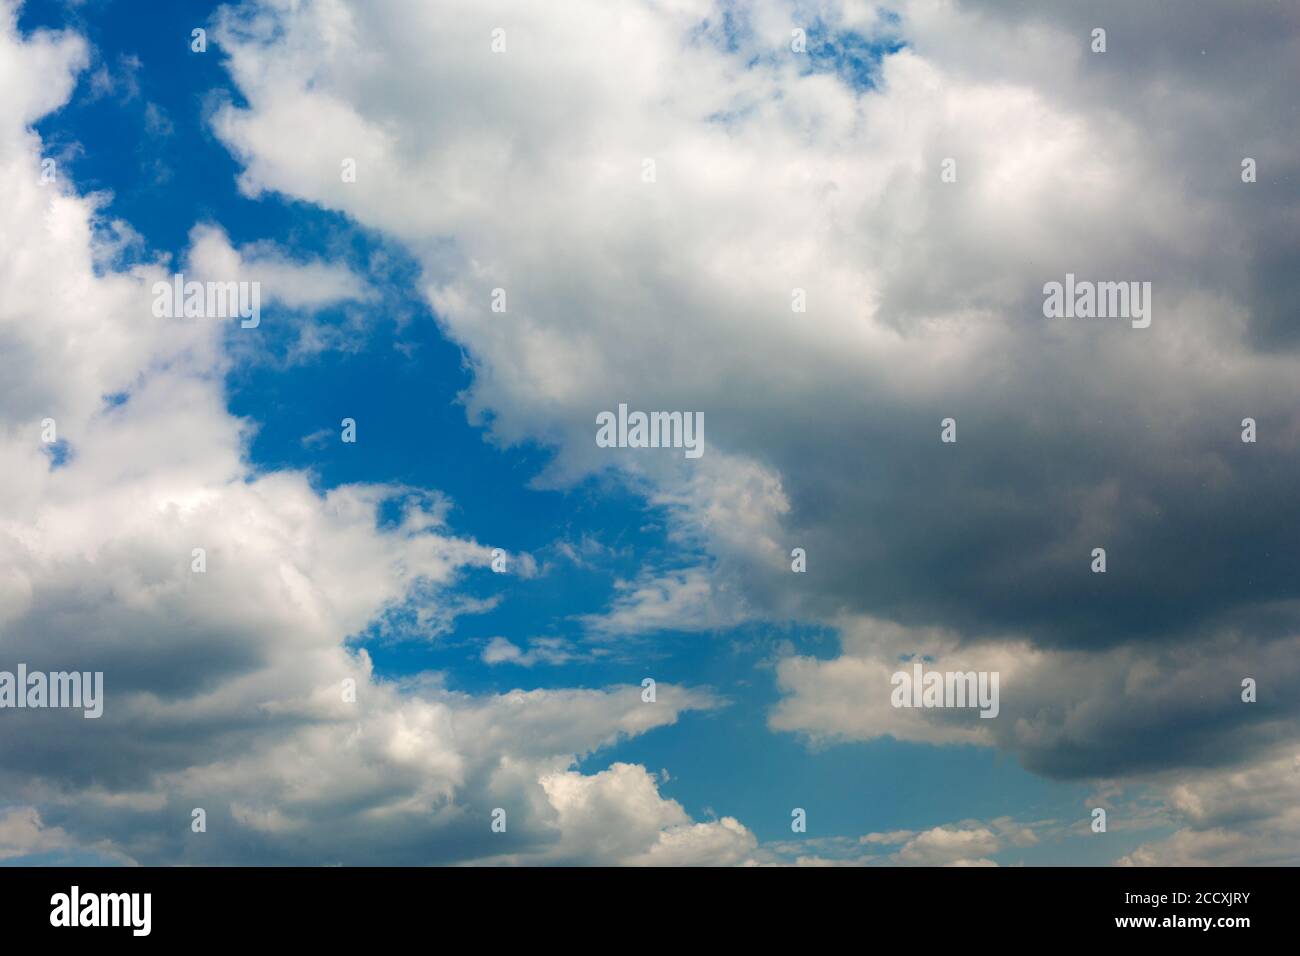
(230,684)
(618,816)
(1234,817)
(965,843)
(1114,714)
(22,833)
(677,178)
(296,286)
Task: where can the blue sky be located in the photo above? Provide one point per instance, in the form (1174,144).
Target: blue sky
(144,132)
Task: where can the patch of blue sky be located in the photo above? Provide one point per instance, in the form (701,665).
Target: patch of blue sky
(59,452)
(852,56)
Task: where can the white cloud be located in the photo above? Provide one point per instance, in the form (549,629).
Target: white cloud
(964,843)
(552,651)
(1246,816)
(849,697)
(1104,714)
(309,285)
(949,846)
(686,600)
(617,816)
(22,833)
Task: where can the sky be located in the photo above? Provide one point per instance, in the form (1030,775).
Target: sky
(825,227)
